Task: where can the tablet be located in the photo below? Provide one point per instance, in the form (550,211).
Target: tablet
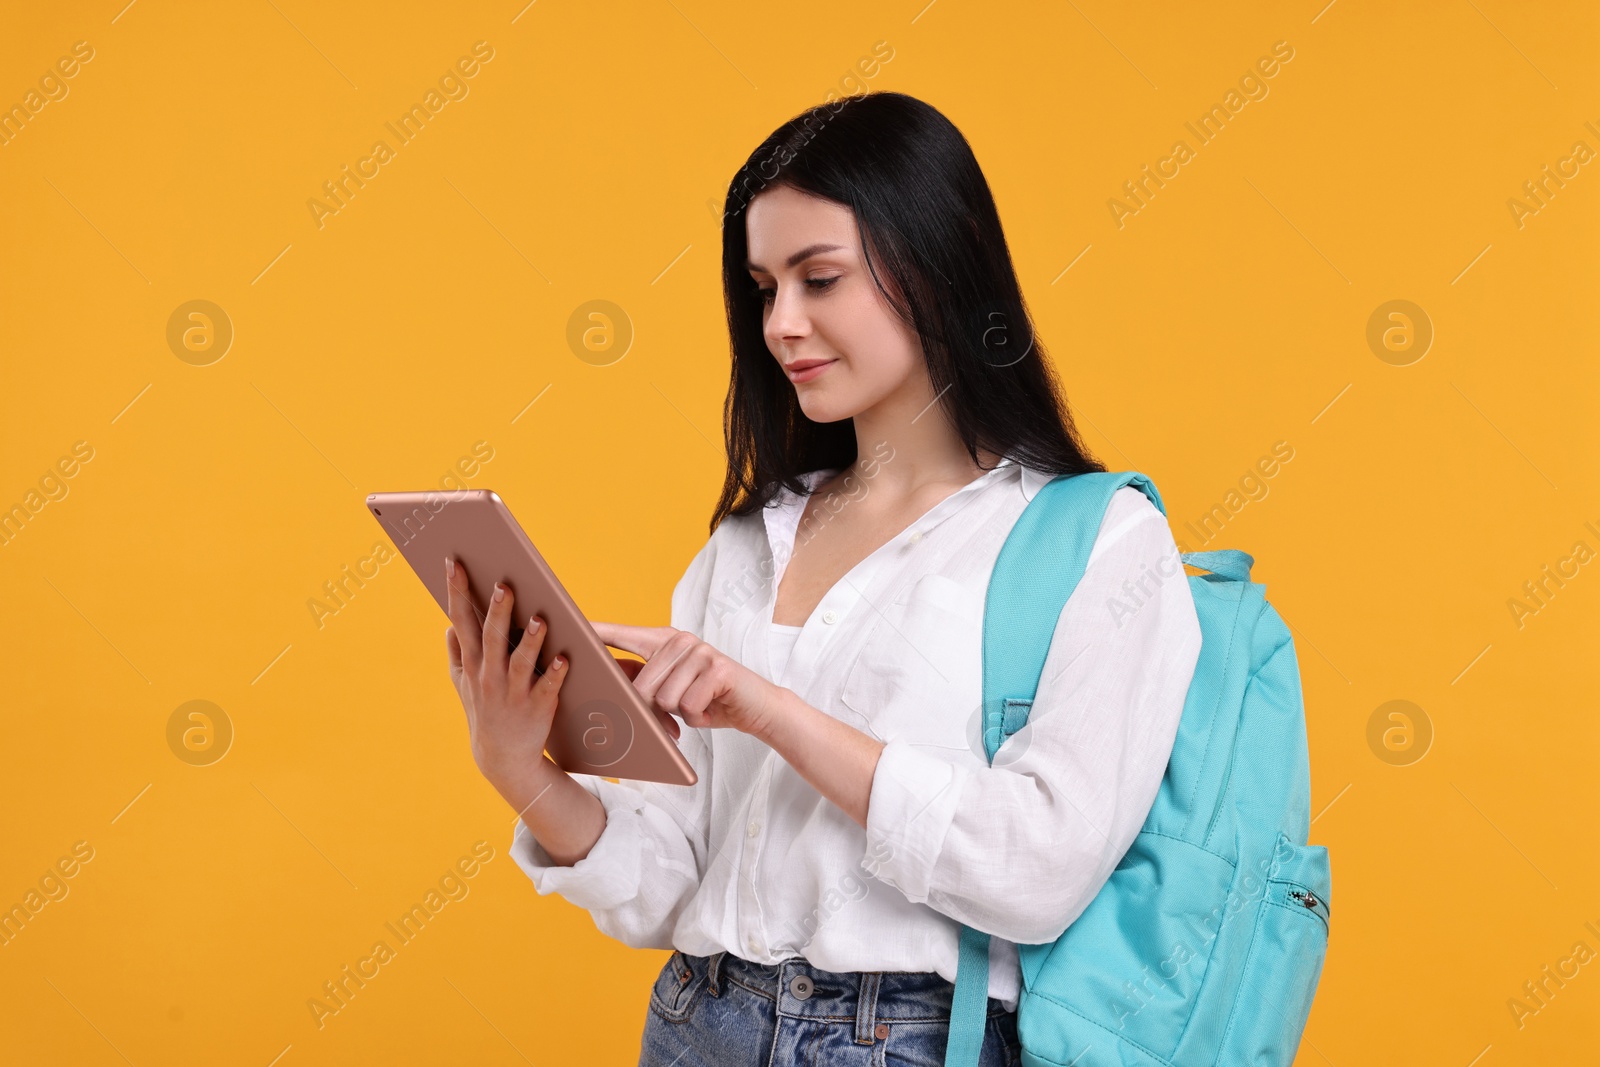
(602,725)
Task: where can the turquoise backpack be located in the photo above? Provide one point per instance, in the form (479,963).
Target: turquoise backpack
(1206,943)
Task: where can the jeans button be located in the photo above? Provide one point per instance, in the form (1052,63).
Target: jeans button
(800,986)
(881,1031)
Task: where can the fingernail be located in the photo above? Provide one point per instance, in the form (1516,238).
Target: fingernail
(559,662)
(449,567)
(534,624)
(499,592)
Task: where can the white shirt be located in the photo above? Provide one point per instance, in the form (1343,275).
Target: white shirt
(780,645)
(753,860)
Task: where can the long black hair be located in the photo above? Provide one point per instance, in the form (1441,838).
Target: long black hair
(927,221)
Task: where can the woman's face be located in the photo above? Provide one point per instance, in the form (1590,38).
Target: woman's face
(825,320)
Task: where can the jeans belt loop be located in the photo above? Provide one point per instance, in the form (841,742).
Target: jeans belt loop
(713,969)
(867,1008)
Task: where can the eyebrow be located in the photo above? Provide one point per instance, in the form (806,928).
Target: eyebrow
(803,254)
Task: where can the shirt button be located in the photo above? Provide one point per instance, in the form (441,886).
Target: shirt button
(753,829)
(800,986)
(753,945)
(915,537)
(830,617)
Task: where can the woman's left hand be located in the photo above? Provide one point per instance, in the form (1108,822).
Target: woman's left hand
(684,676)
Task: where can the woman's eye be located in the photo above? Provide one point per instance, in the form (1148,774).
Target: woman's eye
(817,285)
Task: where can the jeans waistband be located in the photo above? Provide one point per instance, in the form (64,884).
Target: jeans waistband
(801,990)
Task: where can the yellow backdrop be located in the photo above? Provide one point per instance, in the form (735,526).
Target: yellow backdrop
(228,315)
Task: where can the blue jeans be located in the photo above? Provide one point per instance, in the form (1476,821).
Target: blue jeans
(720,1010)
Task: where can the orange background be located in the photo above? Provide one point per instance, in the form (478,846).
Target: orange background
(587,162)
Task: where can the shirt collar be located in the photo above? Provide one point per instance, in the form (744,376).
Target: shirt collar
(782,514)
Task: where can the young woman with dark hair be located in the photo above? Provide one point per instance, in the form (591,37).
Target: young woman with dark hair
(890,413)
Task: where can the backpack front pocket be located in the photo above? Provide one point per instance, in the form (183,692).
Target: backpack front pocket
(1125,977)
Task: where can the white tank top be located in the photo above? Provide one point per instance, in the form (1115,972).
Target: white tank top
(780,643)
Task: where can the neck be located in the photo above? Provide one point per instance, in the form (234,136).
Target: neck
(906,443)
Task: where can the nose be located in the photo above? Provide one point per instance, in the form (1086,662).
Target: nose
(787,322)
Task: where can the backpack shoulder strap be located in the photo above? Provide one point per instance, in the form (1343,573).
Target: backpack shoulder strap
(1039,566)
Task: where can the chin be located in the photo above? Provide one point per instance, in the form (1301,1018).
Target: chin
(826,409)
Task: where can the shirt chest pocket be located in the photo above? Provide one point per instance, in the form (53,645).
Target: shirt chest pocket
(918,675)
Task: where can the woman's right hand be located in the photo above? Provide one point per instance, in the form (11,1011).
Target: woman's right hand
(509,707)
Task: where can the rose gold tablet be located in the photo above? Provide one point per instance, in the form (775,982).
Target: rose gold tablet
(603,725)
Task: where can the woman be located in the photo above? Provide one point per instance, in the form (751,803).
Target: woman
(890,414)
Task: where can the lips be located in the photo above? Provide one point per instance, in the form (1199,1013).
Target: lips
(803,370)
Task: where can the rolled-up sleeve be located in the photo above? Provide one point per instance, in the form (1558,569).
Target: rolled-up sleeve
(651,855)
(1018,848)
